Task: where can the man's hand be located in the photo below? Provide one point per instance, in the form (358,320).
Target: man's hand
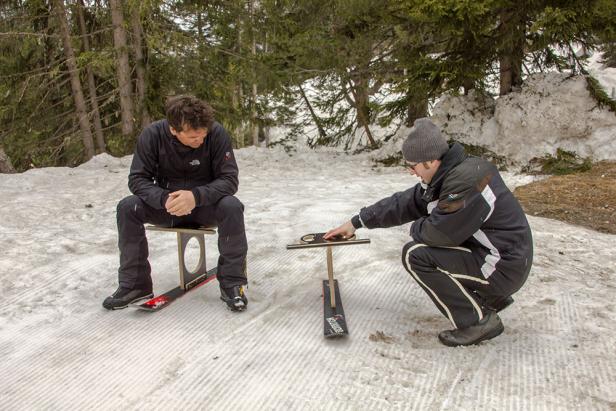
(180,203)
(346,230)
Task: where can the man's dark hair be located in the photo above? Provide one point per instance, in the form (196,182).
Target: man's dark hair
(188,111)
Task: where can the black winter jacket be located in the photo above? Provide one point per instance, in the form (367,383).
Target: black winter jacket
(161,165)
(466,204)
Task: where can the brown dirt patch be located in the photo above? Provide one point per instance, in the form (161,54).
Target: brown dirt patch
(584,198)
(381,336)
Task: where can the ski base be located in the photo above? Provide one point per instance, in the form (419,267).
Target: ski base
(334,321)
(163,300)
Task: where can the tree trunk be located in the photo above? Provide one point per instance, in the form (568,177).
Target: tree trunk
(417,108)
(506,78)
(253,108)
(80,102)
(96,117)
(315,118)
(265,129)
(238,91)
(137,29)
(359,89)
(122,67)
(253,116)
(468,85)
(5,162)
(513,36)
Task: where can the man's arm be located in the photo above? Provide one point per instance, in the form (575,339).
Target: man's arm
(143,171)
(224,168)
(398,209)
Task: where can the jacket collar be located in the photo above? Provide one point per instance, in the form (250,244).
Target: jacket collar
(177,146)
(454,156)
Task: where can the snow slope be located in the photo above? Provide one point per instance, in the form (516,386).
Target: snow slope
(59,349)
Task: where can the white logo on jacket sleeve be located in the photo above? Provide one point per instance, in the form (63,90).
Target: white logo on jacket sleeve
(431,206)
(195,162)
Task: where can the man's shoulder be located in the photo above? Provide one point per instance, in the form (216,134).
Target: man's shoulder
(469,172)
(218,135)
(217,130)
(154,134)
(159,128)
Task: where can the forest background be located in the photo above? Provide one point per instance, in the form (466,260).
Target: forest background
(82,77)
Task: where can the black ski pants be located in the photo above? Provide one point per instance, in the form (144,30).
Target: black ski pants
(452,278)
(227,214)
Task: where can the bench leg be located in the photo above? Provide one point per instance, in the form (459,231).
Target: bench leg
(187,277)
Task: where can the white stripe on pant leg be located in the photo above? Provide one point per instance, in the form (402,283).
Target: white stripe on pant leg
(461,287)
(470,278)
(416,277)
(468,250)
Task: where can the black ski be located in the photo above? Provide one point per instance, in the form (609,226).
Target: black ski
(163,300)
(334,321)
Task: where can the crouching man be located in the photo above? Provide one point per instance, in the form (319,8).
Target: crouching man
(183,174)
(471,245)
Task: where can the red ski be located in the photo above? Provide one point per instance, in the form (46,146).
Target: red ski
(163,300)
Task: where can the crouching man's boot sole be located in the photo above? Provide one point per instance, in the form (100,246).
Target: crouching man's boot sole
(489,327)
(235,304)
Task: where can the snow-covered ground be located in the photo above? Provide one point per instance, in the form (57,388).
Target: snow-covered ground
(59,349)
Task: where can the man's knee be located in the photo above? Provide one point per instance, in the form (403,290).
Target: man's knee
(413,253)
(128,205)
(229,205)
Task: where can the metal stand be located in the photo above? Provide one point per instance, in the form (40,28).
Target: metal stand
(334,321)
(189,278)
(330,277)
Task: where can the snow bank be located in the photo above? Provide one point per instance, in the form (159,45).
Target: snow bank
(551,111)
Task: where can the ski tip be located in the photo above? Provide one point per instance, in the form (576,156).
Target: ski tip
(153,304)
(335,326)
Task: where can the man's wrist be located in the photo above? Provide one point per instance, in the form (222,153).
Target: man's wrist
(356,221)
(197,196)
(164,198)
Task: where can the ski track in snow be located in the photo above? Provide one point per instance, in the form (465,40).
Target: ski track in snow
(60,349)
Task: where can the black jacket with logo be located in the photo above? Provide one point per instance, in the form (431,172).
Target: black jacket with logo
(161,165)
(466,204)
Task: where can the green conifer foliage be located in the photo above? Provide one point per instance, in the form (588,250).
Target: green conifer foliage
(334,69)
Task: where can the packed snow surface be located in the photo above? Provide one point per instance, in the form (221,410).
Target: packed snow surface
(59,349)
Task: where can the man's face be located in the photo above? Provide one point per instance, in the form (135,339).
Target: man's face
(189,136)
(424,170)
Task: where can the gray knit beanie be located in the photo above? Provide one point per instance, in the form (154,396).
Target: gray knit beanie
(424,143)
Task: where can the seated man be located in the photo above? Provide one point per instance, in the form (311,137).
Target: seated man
(471,244)
(183,173)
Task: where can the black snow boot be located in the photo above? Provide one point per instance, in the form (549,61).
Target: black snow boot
(235,297)
(488,327)
(122,297)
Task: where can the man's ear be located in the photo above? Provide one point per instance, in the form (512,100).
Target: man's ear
(173,131)
(432,164)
